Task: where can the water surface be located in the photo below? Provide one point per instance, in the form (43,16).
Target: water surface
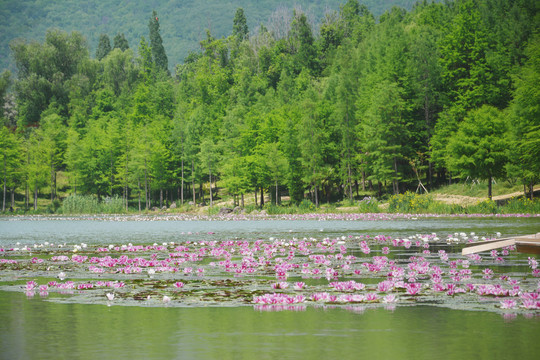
(38,328)
(44,330)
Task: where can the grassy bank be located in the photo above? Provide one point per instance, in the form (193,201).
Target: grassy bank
(464,198)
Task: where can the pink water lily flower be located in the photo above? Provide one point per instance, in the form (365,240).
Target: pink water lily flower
(508,304)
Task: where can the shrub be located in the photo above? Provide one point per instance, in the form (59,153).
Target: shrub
(112,205)
(483,207)
(213,210)
(88,204)
(410,202)
(306,206)
(368,205)
(521,206)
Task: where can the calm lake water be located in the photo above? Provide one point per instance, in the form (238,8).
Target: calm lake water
(36,328)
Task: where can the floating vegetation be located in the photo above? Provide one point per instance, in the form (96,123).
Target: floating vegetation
(280,274)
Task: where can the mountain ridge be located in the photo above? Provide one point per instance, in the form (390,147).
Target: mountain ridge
(182,24)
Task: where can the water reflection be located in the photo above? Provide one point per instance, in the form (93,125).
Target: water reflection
(50,331)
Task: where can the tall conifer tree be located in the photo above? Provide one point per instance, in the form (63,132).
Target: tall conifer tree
(104,47)
(120,42)
(156,44)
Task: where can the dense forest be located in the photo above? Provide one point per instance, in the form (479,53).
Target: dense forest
(409,100)
(183,22)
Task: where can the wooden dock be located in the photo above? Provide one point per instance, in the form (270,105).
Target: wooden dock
(526,244)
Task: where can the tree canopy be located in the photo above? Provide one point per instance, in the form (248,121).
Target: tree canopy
(323,111)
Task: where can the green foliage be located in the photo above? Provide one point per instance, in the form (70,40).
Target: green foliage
(104,47)
(323,112)
(524,151)
(80,204)
(483,207)
(368,205)
(240,28)
(120,42)
(521,206)
(88,204)
(478,149)
(182,21)
(306,206)
(409,202)
(156,43)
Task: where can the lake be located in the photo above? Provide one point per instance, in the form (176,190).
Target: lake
(71,326)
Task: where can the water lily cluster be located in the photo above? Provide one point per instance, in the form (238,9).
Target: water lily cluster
(288,273)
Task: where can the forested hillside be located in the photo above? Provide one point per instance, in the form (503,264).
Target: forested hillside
(443,92)
(183,22)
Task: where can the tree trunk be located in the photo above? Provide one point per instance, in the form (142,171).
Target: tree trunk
(316,189)
(126,183)
(430,175)
(242,200)
(145,185)
(201,192)
(277,193)
(26,195)
(193,182)
(13,197)
(490,189)
(262,197)
(256,197)
(5,185)
(531,189)
(182,185)
(395,183)
(363,181)
(211,197)
(35,198)
(160,198)
(52,179)
(350,180)
(139,187)
(112,175)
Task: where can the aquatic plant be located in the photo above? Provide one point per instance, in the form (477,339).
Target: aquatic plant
(243,272)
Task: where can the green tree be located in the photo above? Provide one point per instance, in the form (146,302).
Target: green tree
(345,117)
(385,133)
(120,42)
(478,149)
(465,73)
(43,72)
(10,161)
(315,140)
(54,134)
(240,28)
(5,83)
(36,167)
(156,44)
(524,151)
(119,71)
(104,47)
(301,43)
(208,157)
